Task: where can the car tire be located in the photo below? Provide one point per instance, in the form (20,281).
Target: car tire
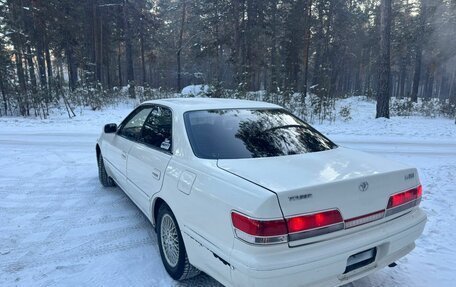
(105,180)
(172,248)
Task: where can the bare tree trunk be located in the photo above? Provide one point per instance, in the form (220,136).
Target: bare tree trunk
(37,34)
(416,75)
(452,92)
(3,91)
(119,65)
(179,45)
(143,61)
(72,67)
(219,58)
(100,61)
(129,52)
(41,67)
(47,58)
(94,41)
(402,79)
(22,83)
(429,90)
(31,68)
(48,63)
(273,56)
(249,56)
(237,53)
(120,17)
(108,70)
(384,82)
(306,47)
(319,45)
(418,52)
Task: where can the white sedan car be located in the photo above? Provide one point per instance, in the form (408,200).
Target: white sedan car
(254,196)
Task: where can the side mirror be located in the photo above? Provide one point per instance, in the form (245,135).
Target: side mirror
(110,128)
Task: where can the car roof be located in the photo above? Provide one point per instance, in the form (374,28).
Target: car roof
(193,104)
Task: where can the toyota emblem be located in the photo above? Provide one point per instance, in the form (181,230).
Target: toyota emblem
(363,186)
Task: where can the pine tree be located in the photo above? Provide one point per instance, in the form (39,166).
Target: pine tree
(384,83)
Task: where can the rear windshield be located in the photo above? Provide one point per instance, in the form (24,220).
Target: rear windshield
(251,133)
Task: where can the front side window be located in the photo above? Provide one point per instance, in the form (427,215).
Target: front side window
(157,130)
(131,128)
(251,133)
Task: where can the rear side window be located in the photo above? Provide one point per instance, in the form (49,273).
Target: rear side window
(251,133)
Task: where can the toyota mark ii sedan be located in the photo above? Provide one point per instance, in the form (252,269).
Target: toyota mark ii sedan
(253,196)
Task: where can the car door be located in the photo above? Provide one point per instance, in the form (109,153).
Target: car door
(149,156)
(118,148)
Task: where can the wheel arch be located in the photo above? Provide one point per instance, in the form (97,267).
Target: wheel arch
(98,150)
(158,201)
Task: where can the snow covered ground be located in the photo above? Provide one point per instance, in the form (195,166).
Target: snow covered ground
(59,227)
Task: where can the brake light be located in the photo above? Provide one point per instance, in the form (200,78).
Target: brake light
(310,225)
(278,231)
(404,197)
(404,200)
(259,231)
(257,227)
(312,221)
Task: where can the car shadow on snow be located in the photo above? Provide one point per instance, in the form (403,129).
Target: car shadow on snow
(202,280)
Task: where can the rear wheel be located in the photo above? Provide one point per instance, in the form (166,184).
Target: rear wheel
(103,176)
(171,245)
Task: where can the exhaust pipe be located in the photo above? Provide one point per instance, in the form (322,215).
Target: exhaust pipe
(392,265)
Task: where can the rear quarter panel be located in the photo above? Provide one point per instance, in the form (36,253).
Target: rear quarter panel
(204,215)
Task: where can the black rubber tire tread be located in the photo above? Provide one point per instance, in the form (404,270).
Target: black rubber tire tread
(183,270)
(105,180)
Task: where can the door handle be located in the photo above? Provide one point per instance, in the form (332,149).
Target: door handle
(124,155)
(156,174)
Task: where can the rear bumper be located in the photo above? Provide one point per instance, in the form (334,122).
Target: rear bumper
(323,263)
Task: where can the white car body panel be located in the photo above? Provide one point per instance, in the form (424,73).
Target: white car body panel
(146,168)
(115,154)
(322,263)
(324,175)
(202,193)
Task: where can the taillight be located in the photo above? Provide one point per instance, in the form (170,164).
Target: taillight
(262,231)
(309,225)
(259,231)
(312,221)
(404,200)
(278,231)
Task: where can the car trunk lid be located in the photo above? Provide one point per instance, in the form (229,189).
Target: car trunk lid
(355,183)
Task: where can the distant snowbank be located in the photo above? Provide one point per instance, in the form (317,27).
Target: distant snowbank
(359,122)
(196,91)
(363,123)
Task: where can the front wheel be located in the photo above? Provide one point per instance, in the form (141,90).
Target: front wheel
(171,245)
(103,176)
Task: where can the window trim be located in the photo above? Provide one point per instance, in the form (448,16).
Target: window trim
(190,135)
(129,117)
(143,106)
(170,151)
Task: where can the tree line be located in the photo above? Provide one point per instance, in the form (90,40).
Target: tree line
(331,48)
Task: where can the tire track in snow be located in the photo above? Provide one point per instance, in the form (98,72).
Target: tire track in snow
(114,233)
(84,252)
(94,245)
(99,223)
(55,204)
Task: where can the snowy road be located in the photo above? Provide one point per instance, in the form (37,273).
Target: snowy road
(59,227)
